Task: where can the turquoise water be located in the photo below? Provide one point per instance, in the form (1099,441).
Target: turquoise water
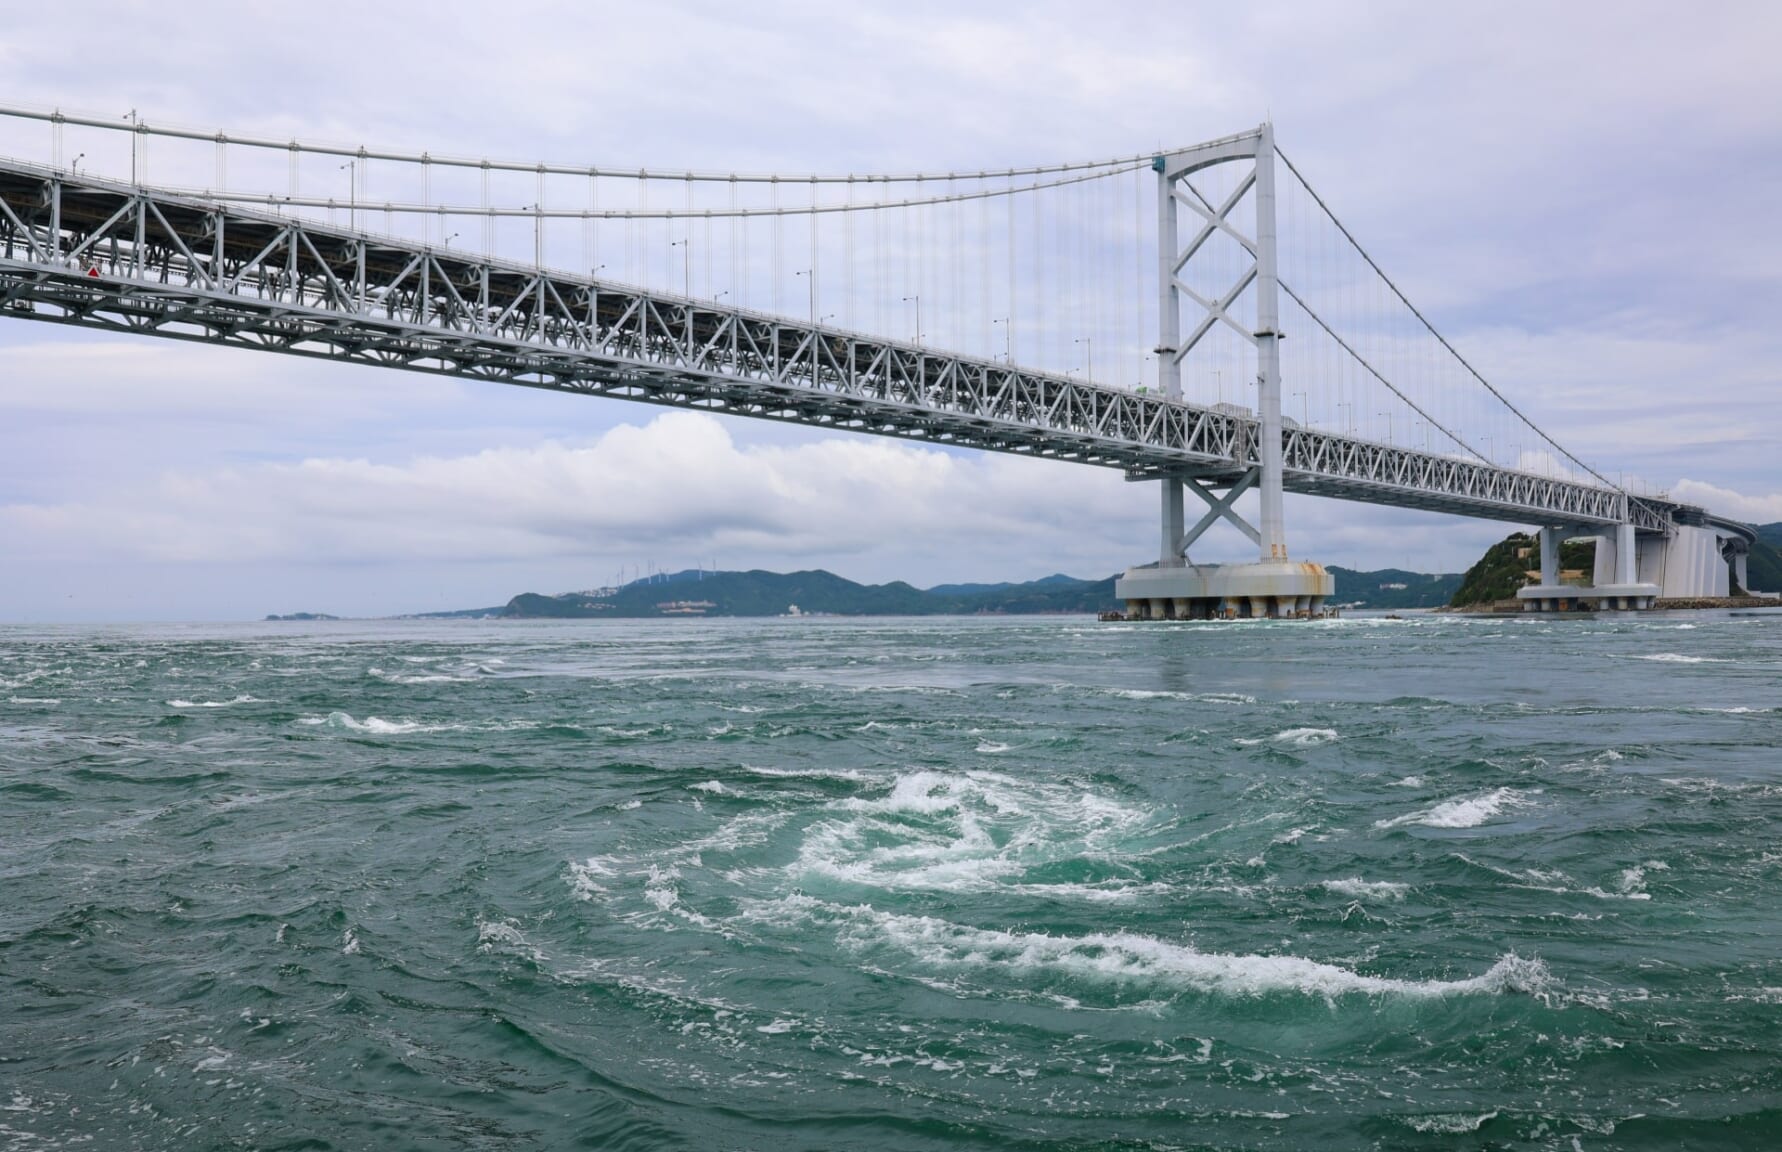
(899,884)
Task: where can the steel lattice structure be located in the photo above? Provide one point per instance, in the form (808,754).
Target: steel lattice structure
(103,254)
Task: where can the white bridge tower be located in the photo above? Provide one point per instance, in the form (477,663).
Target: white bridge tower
(1274,586)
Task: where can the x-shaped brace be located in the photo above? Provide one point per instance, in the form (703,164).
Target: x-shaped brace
(1215,220)
(1220,507)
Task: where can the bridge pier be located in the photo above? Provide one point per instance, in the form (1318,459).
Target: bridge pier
(1274,587)
(1634,570)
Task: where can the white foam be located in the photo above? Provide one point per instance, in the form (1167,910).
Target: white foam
(1358,889)
(1130,958)
(991,747)
(714,787)
(1409,782)
(1633,880)
(375,726)
(493,934)
(1463,811)
(34,700)
(1449,1123)
(660,889)
(583,884)
(1200,697)
(349,943)
(417,678)
(970,832)
(217,1058)
(243,699)
(1296,737)
(806,773)
(1679,658)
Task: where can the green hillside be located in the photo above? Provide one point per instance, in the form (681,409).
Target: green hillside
(1764,567)
(1376,589)
(1501,571)
(759,593)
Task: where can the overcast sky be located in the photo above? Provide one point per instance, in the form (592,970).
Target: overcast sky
(1584,196)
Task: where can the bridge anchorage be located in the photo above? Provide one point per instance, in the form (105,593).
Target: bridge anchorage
(1387,411)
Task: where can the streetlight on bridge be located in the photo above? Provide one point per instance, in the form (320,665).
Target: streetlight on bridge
(685,244)
(351,168)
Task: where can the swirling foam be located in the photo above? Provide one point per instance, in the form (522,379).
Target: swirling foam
(1125,958)
(972,831)
(1463,811)
(1294,737)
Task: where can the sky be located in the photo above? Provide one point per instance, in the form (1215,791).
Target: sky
(1581,196)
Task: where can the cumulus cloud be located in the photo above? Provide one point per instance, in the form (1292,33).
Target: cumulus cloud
(1765,509)
(678,485)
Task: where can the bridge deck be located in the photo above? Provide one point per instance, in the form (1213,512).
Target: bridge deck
(108,255)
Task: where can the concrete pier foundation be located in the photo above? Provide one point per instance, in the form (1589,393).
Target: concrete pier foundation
(1280,590)
(1633,572)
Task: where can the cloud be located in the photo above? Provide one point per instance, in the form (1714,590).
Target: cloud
(679,485)
(680,489)
(1765,509)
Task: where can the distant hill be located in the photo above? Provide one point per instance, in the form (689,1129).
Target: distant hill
(1392,588)
(1057,579)
(761,593)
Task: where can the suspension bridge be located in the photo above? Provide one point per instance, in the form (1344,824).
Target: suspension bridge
(1130,313)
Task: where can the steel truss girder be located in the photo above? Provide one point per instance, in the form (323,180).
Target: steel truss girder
(112,256)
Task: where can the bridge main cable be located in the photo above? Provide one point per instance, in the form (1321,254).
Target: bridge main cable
(144,128)
(274,200)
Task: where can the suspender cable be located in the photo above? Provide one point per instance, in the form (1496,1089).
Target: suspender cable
(1431,328)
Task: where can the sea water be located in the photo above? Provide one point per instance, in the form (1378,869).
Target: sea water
(1441,882)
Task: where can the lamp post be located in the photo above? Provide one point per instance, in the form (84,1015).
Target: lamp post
(810,279)
(918,299)
(1088,343)
(135,131)
(351,168)
(685,244)
(537,211)
(1388,416)
(1008,338)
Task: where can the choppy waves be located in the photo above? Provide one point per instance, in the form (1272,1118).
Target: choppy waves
(893,884)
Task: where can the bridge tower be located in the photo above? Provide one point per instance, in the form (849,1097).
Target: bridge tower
(1274,586)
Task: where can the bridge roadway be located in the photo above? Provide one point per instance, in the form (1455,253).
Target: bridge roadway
(78,249)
